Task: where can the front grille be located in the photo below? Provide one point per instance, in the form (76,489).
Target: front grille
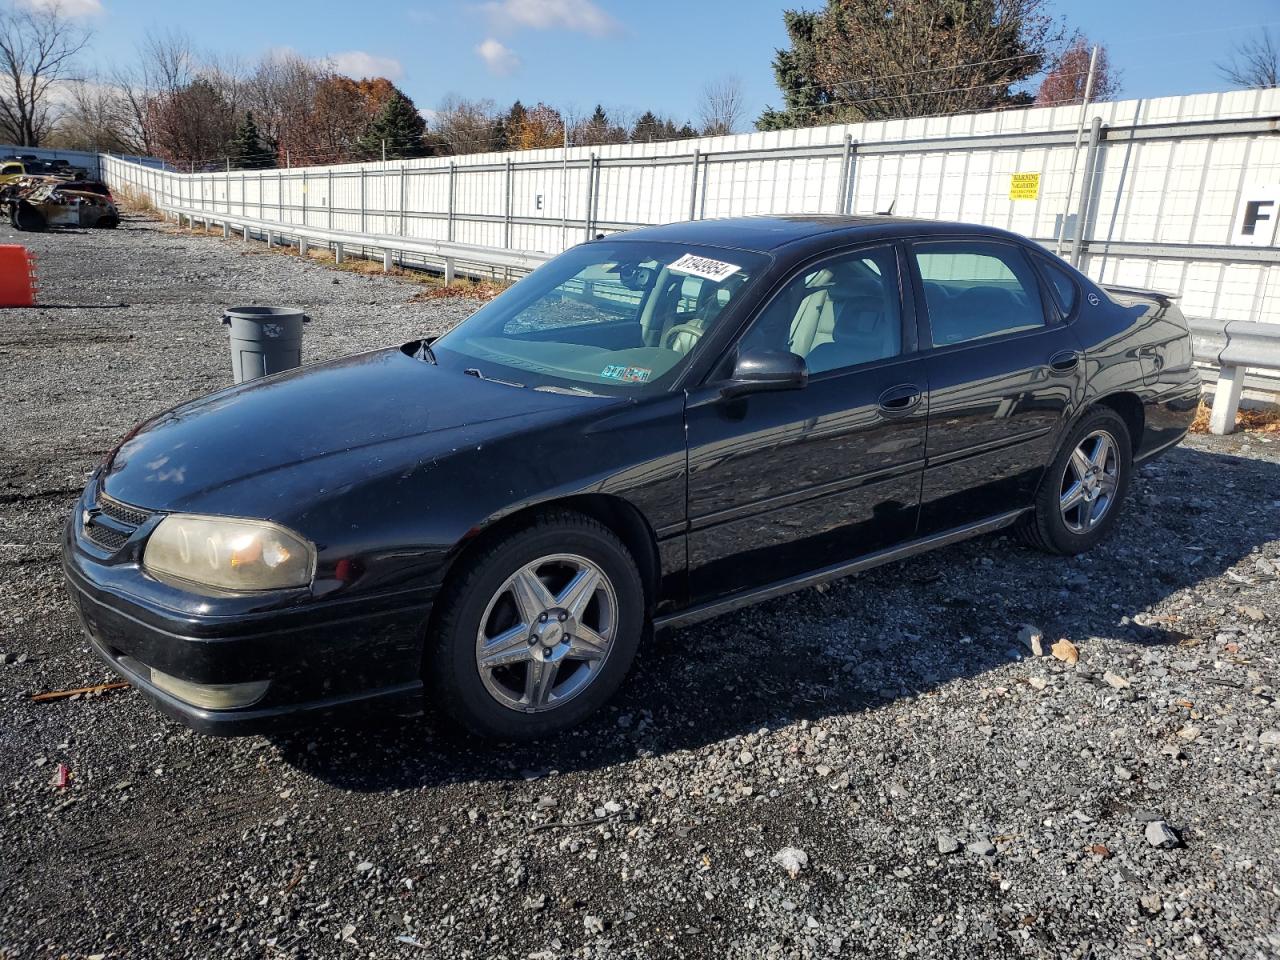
(105,537)
(123,512)
(124,521)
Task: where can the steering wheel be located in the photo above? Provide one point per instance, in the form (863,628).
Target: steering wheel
(692,329)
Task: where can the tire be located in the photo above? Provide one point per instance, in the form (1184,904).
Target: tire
(27,218)
(107,223)
(586,653)
(1068,532)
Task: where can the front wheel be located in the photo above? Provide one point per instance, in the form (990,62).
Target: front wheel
(537,630)
(1080,495)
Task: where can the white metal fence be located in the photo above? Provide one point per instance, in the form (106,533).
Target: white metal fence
(1156,183)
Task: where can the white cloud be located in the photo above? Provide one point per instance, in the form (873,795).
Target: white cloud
(68,8)
(497,57)
(358,64)
(581,15)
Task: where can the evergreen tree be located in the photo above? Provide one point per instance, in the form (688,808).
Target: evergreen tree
(501,139)
(399,127)
(249,150)
(647,129)
(804,97)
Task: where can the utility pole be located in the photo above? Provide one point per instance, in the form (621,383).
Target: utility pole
(1075,157)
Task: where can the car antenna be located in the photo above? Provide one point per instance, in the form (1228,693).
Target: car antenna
(889,212)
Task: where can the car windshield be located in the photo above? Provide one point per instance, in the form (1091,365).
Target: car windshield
(617,318)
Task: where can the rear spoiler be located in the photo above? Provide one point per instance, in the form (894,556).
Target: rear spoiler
(1160,296)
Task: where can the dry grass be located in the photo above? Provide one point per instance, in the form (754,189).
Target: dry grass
(482,290)
(1254,421)
(136,203)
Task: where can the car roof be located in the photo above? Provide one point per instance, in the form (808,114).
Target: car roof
(766,234)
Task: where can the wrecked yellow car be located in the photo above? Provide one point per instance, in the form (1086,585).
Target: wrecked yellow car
(35,203)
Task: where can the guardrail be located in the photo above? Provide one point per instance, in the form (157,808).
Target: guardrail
(448,254)
(1234,346)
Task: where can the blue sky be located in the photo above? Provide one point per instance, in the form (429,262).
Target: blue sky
(632,55)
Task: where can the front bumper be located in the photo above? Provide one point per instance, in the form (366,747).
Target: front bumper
(318,653)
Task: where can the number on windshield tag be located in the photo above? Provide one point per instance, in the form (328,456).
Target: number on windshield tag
(704,267)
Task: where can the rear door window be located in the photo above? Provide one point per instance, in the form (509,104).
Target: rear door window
(977,289)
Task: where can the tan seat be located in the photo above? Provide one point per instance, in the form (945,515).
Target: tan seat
(815,320)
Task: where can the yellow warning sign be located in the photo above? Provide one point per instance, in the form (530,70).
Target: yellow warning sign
(1024,186)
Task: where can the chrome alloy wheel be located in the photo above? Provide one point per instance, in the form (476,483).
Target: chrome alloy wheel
(1090,481)
(546,633)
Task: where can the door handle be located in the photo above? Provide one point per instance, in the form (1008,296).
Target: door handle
(1064,362)
(900,399)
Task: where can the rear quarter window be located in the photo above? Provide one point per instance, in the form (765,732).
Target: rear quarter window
(1065,292)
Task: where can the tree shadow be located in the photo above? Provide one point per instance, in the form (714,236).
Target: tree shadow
(896,632)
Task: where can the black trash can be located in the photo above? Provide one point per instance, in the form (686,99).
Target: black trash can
(264,340)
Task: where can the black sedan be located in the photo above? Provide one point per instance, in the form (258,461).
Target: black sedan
(653,428)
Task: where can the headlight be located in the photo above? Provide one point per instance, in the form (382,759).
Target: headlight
(228,554)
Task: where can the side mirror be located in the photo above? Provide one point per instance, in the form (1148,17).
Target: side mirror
(756,371)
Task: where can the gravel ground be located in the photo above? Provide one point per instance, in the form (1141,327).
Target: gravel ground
(902,776)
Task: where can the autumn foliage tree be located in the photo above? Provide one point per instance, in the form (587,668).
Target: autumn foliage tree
(1066,80)
(541,127)
(193,125)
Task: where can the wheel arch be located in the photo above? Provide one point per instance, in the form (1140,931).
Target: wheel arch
(1129,408)
(616,513)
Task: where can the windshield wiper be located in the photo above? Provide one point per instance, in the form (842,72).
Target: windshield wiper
(475,372)
(577,391)
(424,352)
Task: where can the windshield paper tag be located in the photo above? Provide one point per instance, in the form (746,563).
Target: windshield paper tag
(704,267)
(626,374)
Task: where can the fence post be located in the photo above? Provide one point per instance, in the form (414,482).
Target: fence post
(362,230)
(1086,191)
(591,183)
(304,197)
(846,175)
(453,169)
(693,186)
(279,196)
(506,229)
(595,200)
(330,199)
(402,202)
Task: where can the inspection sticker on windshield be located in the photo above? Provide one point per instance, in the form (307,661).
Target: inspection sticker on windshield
(616,371)
(704,267)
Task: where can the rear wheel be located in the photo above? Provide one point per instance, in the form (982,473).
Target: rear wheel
(1081,493)
(537,630)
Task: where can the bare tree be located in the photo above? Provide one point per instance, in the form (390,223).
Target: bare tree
(1255,62)
(91,119)
(722,106)
(464,126)
(164,64)
(38,46)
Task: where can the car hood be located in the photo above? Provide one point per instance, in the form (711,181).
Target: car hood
(259,448)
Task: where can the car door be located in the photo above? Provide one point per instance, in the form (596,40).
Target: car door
(782,483)
(1004,374)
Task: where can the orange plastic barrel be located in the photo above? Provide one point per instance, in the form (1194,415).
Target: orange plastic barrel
(17,276)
